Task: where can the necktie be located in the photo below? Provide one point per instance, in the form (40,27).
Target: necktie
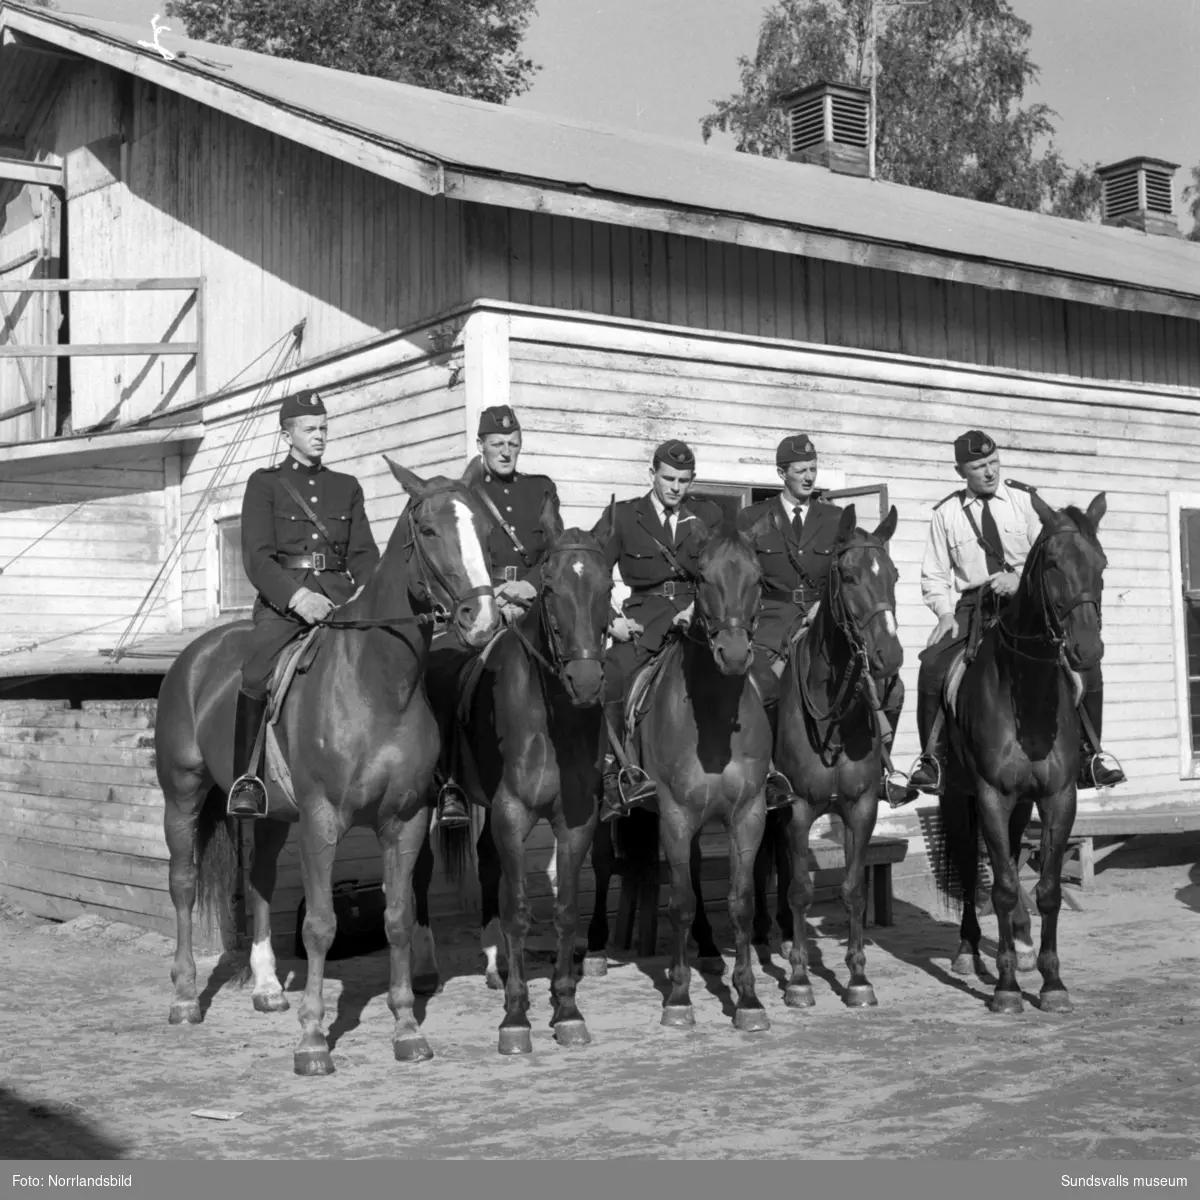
(797,521)
(669,526)
(991,536)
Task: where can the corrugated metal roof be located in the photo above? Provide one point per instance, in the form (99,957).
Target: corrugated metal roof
(506,143)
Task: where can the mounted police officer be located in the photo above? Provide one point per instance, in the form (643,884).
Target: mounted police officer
(306,547)
(516,547)
(979,539)
(655,541)
(793,535)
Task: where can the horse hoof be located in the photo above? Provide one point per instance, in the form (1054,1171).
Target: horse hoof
(516,1039)
(861,995)
(184,1012)
(572,1033)
(751,1020)
(426,985)
(313,1062)
(594,966)
(678,1016)
(495,982)
(1027,962)
(1006,1003)
(785,949)
(712,966)
(411,1049)
(1057,1001)
(270,1002)
(964,964)
(799,996)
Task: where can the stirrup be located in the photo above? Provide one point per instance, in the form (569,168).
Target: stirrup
(251,789)
(930,789)
(634,786)
(778,790)
(1088,771)
(900,782)
(452,806)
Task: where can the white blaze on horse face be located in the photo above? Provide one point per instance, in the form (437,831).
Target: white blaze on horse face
(577,567)
(875,567)
(889,622)
(474,564)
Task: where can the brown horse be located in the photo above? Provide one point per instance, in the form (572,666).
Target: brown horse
(535,731)
(1014,742)
(706,743)
(362,745)
(829,746)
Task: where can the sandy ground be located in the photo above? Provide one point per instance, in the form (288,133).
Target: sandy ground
(91,1068)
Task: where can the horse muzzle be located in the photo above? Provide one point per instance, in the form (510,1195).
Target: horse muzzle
(732,650)
(583,679)
(477,620)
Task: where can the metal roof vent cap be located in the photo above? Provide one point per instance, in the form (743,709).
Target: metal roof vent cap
(1139,193)
(829,124)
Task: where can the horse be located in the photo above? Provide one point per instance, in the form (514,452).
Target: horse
(361,741)
(1014,743)
(706,742)
(535,729)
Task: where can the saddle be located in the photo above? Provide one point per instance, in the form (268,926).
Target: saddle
(297,658)
(644,685)
(962,660)
(466,770)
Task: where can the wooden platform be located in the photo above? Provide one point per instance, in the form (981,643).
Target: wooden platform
(641,899)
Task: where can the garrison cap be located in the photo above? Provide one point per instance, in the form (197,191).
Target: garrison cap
(675,454)
(796,448)
(307,403)
(972,445)
(500,419)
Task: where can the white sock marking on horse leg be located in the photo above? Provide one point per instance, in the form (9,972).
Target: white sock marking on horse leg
(491,938)
(262,964)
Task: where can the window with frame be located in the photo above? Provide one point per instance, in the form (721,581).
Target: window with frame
(731,497)
(235,592)
(1189,550)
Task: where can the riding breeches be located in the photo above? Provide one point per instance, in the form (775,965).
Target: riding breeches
(272,632)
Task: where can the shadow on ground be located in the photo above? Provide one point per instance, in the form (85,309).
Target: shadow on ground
(50,1130)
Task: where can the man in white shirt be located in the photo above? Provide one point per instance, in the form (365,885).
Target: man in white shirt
(979,537)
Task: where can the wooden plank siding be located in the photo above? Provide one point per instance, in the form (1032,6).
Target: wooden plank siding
(601,396)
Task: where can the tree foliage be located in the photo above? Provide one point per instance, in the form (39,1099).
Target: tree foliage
(466,47)
(950,91)
(1191,197)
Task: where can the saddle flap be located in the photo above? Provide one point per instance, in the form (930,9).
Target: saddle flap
(954,678)
(296,658)
(644,684)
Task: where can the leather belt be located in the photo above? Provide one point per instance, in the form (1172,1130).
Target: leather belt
(509,575)
(311,562)
(670,589)
(795,596)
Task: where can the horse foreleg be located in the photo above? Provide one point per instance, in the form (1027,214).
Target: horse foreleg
(571,847)
(595,962)
(319,835)
(745,837)
(676,835)
(962,834)
(994,818)
(269,840)
(426,979)
(1058,816)
(511,823)
(799,993)
(490,876)
(180,818)
(711,962)
(858,817)
(1022,917)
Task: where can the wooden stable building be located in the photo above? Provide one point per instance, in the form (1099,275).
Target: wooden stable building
(186,236)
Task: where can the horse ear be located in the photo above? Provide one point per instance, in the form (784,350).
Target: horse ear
(413,484)
(887,526)
(473,475)
(848,524)
(551,519)
(1043,510)
(1097,509)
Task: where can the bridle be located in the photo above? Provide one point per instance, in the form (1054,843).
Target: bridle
(711,626)
(857,671)
(559,659)
(1052,615)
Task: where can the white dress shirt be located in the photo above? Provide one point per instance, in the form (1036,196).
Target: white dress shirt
(791,505)
(670,520)
(955,562)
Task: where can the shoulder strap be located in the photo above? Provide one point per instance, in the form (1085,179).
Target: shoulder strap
(984,544)
(508,529)
(308,512)
(793,558)
(672,561)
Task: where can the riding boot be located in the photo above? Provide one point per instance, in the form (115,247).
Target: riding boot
(778,786)
(1093,770)
(248,793)
(452,805)
(897,790)
(930,769)
(628,787)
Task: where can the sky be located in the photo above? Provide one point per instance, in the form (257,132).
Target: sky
(1115,72)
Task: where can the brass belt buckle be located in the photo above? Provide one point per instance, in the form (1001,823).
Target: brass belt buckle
(510,574)
(797,596)
(318,562)
(669,589)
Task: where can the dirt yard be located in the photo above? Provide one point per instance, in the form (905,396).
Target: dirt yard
(91,1068)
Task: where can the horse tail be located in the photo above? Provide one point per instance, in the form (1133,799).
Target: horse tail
(216,860)
(954,855)
(635,838)
(456,844)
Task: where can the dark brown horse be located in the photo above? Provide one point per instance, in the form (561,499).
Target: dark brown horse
(1014,742)
(535,730)
(829,746)
(706,743)
(361,741)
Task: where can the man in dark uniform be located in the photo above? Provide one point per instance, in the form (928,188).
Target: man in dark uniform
(516,546)
(306,547)
(793,535)
(979,539)
(656,541)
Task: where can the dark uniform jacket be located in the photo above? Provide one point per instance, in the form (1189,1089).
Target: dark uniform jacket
(635,538)
(273,524)
(794,571)
(519,501)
